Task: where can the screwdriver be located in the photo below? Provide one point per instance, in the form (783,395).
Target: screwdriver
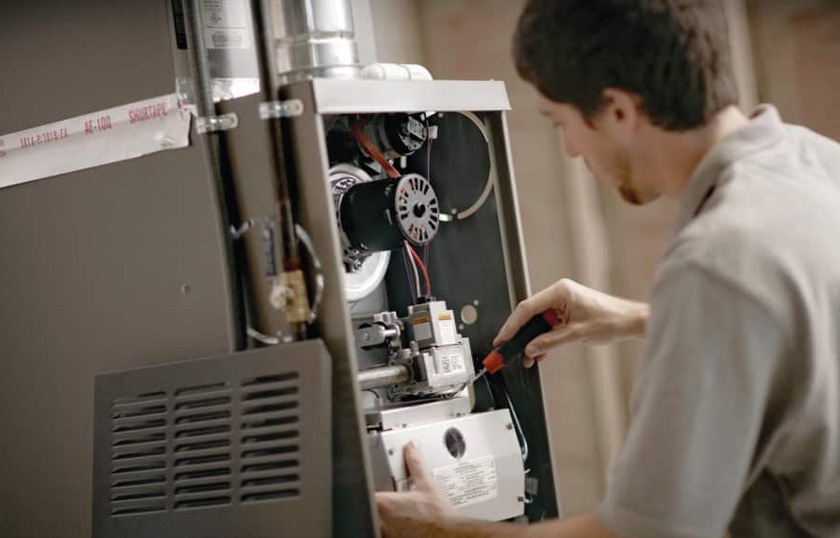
(537,325)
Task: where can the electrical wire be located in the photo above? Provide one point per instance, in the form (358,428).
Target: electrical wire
(319,273)
(422,267)
(262,338)
(370,149)
(429,139)
(407,261)
(488,187)
(416,274)
(523,442)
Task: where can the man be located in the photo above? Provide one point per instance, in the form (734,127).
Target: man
(736,411)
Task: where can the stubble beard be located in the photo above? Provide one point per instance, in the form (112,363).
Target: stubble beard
(626,188)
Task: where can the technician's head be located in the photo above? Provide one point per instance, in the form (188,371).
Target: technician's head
(617,74)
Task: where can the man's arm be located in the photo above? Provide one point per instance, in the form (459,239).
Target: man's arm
(583,526)
(425,513)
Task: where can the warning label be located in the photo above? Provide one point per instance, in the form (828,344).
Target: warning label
(225,24)
(450,363)
(447,331)
(468,482)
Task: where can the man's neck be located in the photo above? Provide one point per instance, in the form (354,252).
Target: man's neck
(678,154)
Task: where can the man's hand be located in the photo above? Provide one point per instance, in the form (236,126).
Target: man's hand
(417,512)
(425,513)
(586,316)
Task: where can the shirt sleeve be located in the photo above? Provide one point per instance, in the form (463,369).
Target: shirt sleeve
(698,407)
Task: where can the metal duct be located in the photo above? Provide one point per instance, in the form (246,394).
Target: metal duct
(314,38)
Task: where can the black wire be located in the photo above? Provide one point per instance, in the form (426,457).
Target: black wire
(218,163)
(429,178)
(410,275)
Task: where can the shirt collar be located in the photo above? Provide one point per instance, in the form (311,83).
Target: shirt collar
(765,128)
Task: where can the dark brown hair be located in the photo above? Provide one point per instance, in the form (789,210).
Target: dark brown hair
(673,54)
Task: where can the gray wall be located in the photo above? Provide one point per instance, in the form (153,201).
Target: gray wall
(100,269)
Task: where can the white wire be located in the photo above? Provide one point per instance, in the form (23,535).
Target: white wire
(319,273)
(524,446)
(414,269)
(262,338)
(488,187)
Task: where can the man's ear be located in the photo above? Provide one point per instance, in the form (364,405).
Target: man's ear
(621,114)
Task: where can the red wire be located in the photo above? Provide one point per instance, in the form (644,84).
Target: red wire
(370,149)
(422,267)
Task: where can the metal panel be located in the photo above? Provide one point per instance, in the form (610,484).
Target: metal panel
(496,228)
(107,268)
(222,446)
(353,509)
(256,196)
(484,436)
(526,386)
(369,96)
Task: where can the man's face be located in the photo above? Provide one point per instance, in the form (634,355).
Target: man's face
(608,160)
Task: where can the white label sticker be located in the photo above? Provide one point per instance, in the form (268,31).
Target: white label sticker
(447,331)
(225,24)
(422,331)
(468,482)
(98,138)
(450,363)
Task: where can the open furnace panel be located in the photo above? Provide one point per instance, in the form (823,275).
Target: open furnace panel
(429,245)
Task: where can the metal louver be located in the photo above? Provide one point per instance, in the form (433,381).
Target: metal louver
(203,422)
(213,443)
(138,454)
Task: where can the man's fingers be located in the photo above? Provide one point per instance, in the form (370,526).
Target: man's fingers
(417,467)
(384,499)
(555,296)
(539,345)
(521,314)
(527,309)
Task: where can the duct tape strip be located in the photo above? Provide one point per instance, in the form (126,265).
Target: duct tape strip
(116,134)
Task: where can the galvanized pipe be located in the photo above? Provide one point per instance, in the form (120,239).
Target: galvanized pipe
(383,376)
(314,38)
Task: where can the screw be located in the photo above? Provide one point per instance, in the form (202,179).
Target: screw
(520,498)
(509,426)
(390,451)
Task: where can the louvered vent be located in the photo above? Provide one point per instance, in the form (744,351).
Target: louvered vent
(187,437)
(138,454)
(234,445)
(270,442)
(203,421)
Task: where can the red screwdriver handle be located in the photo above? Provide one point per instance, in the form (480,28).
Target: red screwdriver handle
(537,325)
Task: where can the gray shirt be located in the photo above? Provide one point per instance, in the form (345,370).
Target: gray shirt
(736,410)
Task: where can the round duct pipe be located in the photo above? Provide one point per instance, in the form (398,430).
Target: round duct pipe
(313,38)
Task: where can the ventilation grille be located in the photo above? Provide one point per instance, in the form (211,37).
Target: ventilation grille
(203,428)
(206,446)
(269,458)
(138,454)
